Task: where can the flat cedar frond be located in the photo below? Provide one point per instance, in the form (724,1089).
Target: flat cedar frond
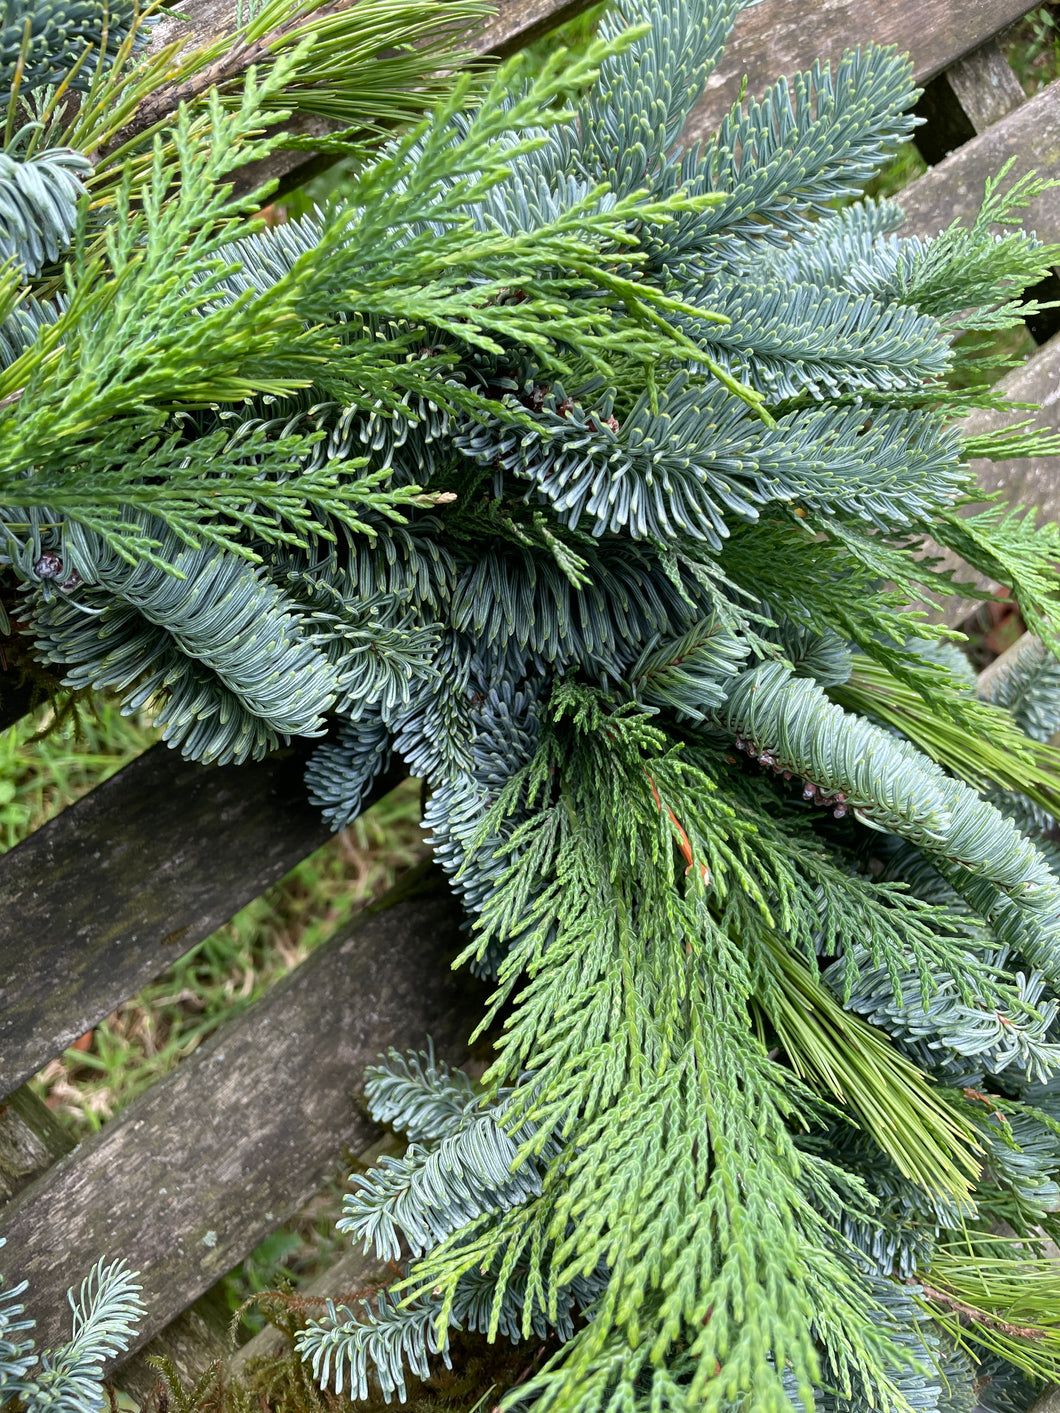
(589,478)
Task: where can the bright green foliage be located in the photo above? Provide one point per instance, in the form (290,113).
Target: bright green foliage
(567,468)
(69,1379)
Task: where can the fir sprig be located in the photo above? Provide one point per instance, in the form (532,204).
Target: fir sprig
(68,1379)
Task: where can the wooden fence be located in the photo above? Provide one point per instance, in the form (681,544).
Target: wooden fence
(188,1179)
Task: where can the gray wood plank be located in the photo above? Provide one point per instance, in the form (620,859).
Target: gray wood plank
(31,1138)
(778,37)
(1006,661)
(1029,480)
(518,23)
(191,1342)
(985,85)
(954,190)
(771,38)
(351,1272)
(197,1338)
(514,24)
(1030,135)
(188,1179)
(111,892)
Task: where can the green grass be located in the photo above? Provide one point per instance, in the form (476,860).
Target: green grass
(46,764)
(1033,48)
(904,167)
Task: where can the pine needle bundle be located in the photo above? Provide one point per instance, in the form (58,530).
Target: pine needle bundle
(591,477)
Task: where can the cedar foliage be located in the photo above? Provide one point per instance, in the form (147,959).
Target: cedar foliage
(588,476)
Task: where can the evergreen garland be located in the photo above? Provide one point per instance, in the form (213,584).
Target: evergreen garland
(569,467)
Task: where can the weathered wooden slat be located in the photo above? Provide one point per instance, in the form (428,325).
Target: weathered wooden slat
(966,99)
(31,1138)
(188,1179)
(351,1272)
(518,23)
(770,38)
(1004,664)
(191,1343)
(954,190)
(1030,135)
(1029,480)
(985,85)
(515,24)
(111,892)
(778,37)
(197,1338)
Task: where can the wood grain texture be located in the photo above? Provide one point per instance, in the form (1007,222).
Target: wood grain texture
(1029,481)
(31,1138)
(770,38)
(191,1343)
(778,37)
(954,190)
(349,1275)
(352,1272)
(514,24)
(986,86)
(111,892)
(518,23)
(190,1177)
(1030,135)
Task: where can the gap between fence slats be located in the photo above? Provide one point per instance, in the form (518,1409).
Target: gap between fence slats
(1030,135)
(16,698)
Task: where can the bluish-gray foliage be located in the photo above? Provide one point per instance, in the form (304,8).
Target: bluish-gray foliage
(68,1379)
(581,475)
